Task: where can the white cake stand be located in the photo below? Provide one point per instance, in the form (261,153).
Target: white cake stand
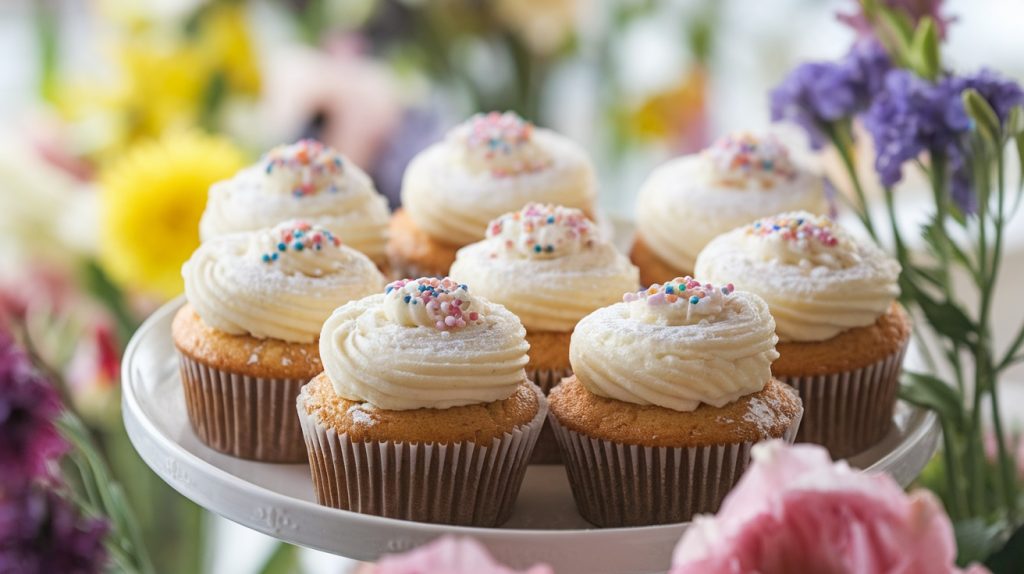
(278,499)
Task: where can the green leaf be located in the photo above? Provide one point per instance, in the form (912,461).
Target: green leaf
(1010,558)
(1015,121)
(931,393)
(283,560)
(985,118)
(948,319)
(1019,141)
(896,33)
(976,540)
(925,49)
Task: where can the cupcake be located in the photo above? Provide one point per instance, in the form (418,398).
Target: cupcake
(842,335)
(688,201)
(489,165)
(306,180)
(247,338)
(423,411)
(549,266)
(671,388)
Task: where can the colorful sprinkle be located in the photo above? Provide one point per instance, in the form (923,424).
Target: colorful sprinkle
(504,137)
(300,235)
(313,165)
(741,158)
(796,229)
(542,229)
(447,301)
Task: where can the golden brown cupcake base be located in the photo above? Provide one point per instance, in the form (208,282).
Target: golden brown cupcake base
(413,252)
(653,269)
(480,423)
(650,425)
(636,482)
(240,391)
(848,384)
(462,483)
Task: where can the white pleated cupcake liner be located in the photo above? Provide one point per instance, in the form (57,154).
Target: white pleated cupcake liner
(243,416)
(459,483)
(616,484)
(850,411)
(547,451)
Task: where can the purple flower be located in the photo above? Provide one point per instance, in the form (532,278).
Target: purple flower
(914,9)
(41,532)
(28,406)
(816,94)
(911,116)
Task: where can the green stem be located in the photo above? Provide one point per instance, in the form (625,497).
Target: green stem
(842,139)
(957,500)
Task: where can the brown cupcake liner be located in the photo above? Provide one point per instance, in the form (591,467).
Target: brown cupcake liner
(616,484)
(546,451)
(459,483)
(243,416)
(849,412)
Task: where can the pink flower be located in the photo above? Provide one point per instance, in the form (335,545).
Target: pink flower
(448,555)
(797,511)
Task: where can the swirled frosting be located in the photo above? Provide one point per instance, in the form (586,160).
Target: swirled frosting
(492,164)
(305,180)
(817,279)
(548,264)
(676,345)
(278,283)
(688,201)
(389,350)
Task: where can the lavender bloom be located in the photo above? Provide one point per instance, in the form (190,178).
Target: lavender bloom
(28,406)
(912,115)
(818,93)
(40,532)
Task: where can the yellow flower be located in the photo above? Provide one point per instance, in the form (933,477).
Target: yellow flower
(151,199)
(670,113)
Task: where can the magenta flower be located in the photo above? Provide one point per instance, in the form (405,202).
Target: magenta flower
(40,532)
(914,9)
(28,407)
(796,511)
(448,555)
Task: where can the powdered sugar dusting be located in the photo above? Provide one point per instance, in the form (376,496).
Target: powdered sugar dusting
(359,415)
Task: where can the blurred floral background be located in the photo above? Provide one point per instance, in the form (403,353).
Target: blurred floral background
(116,115)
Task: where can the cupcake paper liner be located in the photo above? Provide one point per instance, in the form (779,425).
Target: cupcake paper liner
(247,417)
(546,451)
(459,483)
(616,484)
(850,411)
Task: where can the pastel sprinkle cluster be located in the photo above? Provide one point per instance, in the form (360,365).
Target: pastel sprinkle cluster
(542,229)
(314,164)
(446,301)
(679,290)
(739,158)
(300,236)
(503,136)
(795,229)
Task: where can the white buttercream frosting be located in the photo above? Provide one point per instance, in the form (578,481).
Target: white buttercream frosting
(305,180)
(547,264)
(278,283)
(676,345)
(399,351)
(492,164)
(818,280)
(688,201)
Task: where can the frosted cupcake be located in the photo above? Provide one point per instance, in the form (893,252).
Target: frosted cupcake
(423,411)
(550,267)
(306,180)
(671,388)
(688,201)
(842,335)
(247,338)
(489,165)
